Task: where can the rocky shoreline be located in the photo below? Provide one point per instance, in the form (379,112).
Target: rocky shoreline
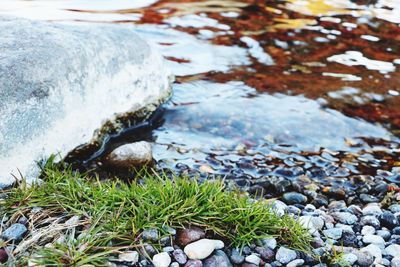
(344,233)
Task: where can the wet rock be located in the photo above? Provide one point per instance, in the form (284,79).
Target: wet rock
(285,255)
(253,259)
(15,232)
(189,235)
(388,220)
(194,263)
(294,198)
(72,87)
(161,259)
(202,248)
(131,155)
(236,257)
(179,256)
(129,256)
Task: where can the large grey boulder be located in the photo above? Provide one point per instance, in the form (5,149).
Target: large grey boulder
(61,82)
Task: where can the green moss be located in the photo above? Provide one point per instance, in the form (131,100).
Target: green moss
(124,210)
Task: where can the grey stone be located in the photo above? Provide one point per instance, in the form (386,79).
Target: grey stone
(269,243)
(132,155)
(393,250)
(15,232)
(385,234)
(150,235)
(189,235)
(236,257)
(344,217)
(388,220)
(350,258)
(57,90)
(218,259)
(179,256)
(294,198)
(395,262)
(364,259)
(194,263)
(394,208)
(285,255)
(370,220)
(334,233)
(374,239)
(295,263)
(266,253)
(372,209)
(253,258)
(368,230)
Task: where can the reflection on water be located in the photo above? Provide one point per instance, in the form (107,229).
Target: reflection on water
(272,80)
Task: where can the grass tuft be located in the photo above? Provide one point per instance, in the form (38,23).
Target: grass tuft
(124,210)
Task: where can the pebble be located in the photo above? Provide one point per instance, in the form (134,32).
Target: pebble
(350,258)
(295,263)
(266,253)
(285,255)
(393,250)
(394,208)
(174,264)
(150,235)
(345,217)
(189,235)
(202,248)
(253,258)
(218,260)
(279,207)
(179,256)
(385,234)
(372,209)
(194,263)
(388,220)
(334,233)
(161,260)
(368,230)
(129,256)
(364,259)
(15,232)
(370,220)
(131,155)
(294,198)
(269,243)
(395,262)
(374,250)
(374,239)
(236,257)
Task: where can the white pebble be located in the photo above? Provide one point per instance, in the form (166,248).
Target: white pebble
(200,249)
(253,259)
(161,260)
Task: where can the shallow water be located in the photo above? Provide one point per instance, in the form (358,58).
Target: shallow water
(284,88)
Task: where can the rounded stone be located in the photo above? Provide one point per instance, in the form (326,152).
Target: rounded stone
(132,155)
(285,255)
(179,256)
(161,260)
(129,256)
(15,232)
(294,198)
(201,249)
(194,263)
(350,258)
(253,259)
(393,250)
(388,220)
(295,263)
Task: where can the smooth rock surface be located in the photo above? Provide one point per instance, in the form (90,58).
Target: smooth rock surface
(161,260)
(201,249)
(61,82)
